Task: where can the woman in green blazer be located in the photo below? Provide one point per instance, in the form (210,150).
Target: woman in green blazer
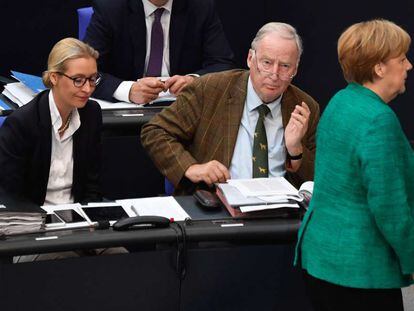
(356,243)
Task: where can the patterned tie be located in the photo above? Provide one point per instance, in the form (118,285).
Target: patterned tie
(260,159)
(157,46)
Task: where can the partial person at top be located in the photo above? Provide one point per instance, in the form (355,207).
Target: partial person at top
(50,149)
(240,123)
(356,242)
(140,40)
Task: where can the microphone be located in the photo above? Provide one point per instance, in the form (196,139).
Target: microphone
(101,225)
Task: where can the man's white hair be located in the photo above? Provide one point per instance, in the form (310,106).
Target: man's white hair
(284,30)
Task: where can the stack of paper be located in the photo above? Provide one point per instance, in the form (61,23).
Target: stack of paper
(20,217)
(16,223)
(258,194)
(25,90)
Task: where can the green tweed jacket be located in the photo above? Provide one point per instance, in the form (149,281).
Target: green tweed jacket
(359,229)
(203,123)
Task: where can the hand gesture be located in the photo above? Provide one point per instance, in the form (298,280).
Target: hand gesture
(210,173)
(296,129)
(176,83)
(145,90)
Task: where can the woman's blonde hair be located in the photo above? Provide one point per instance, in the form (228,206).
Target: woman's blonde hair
(365,44)
(65,49)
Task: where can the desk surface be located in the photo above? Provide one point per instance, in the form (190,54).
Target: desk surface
(127,117)
(203,227)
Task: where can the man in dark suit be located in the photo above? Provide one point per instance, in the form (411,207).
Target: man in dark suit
(209,134)
(192,44)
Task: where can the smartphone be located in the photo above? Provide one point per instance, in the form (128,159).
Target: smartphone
(100,213)
(52,219)
(69,215)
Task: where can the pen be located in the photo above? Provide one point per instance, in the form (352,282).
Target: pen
(132,115)
(134,210)
(53,237)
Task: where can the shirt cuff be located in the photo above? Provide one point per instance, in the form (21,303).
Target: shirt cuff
(122,92)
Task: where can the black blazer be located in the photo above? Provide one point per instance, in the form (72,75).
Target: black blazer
(118,31)
(26,146)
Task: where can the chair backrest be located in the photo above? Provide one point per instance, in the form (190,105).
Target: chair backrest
(84,17)
(168,187)
(2,118)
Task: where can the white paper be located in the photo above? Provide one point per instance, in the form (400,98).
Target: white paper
(13,98)
(106,105)
(253,208)
(157,206)
(256,187)
(20,91)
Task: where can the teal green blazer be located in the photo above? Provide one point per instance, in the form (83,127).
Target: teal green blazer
(359,229)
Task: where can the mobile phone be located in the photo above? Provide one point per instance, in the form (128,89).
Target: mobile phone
(69,215)
(52,219)
(101,213)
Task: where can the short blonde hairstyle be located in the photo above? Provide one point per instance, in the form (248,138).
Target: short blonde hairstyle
(66,49)
(365,44)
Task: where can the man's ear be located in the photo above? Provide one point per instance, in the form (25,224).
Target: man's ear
(250,58)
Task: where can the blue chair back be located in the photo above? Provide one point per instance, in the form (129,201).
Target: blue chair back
(168,187)
(84,17)
(2,118)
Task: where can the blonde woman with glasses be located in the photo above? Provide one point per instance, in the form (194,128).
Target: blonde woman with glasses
(50,148)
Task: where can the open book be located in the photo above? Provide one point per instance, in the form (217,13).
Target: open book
(242,196)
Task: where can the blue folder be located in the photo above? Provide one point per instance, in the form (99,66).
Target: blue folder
(4,106)
(35,83)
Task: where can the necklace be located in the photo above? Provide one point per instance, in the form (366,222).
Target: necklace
(66,125)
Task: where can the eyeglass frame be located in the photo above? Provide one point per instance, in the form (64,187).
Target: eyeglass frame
(270,73)
(98,78)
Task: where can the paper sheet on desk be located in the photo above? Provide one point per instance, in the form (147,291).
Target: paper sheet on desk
(257,187)
(253,208)
(18,93)
(162,97)
(157,206)
(106,105)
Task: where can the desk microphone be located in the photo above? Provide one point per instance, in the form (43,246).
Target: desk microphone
(101,225)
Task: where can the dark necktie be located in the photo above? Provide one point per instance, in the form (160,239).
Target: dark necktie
(157,46)
(260,156)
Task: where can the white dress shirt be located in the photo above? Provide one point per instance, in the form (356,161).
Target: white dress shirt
(59,185)
(122,92)
(241,163)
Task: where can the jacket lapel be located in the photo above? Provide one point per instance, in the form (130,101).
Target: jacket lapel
(79,156)
(138,33)
(45,140)
(236,100)
(178,25)
(289,101)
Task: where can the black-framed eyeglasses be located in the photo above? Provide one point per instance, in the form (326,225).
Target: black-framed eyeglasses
(80,81)
(265,67)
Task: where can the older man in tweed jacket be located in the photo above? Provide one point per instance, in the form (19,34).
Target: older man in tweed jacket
(206,135)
